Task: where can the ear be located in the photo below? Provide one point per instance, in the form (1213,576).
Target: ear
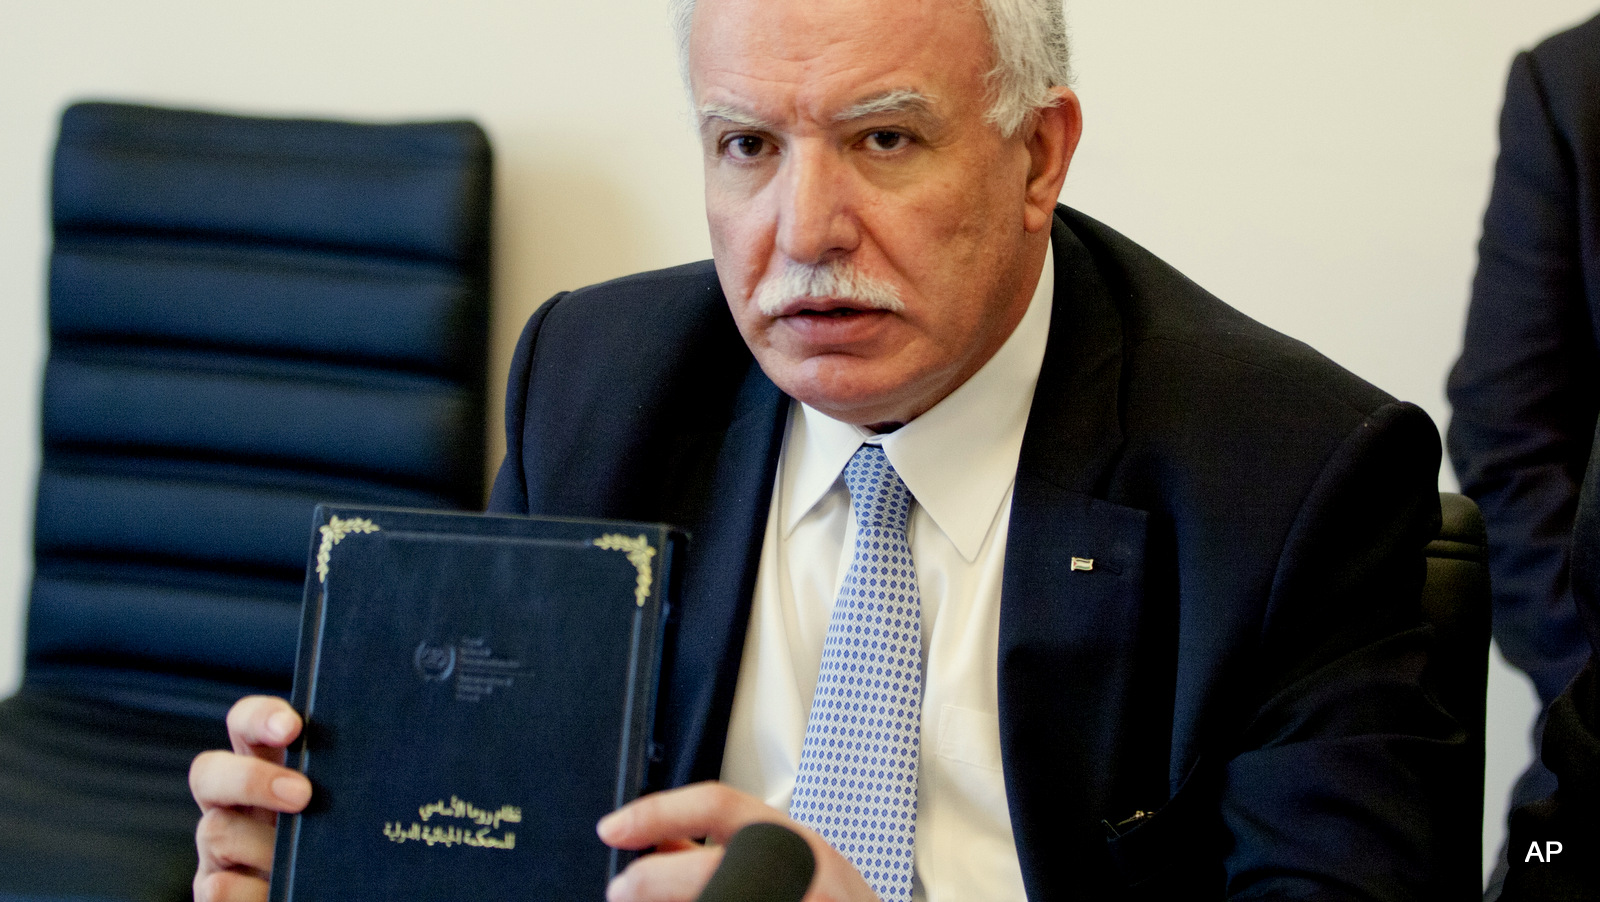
(1051,139)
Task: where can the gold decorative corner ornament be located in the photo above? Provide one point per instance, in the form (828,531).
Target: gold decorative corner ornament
(639,555)
(333,533)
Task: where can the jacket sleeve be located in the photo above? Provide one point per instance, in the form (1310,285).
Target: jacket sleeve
(1571,749)
(1523,389)
(1349,782)
(1554,844)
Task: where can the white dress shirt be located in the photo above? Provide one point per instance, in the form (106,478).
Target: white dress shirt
(959,460)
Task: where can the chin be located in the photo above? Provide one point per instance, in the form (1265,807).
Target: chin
(859,408)
(851,390)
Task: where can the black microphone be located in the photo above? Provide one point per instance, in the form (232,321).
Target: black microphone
(768,862)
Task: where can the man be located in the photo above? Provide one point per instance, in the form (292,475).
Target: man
(1524,392)
(1522,438)
(1160,565)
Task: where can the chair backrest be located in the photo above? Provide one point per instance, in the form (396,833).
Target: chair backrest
(1455,600)
(247,316)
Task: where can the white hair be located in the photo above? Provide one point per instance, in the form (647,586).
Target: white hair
(830,279)
(1027,37)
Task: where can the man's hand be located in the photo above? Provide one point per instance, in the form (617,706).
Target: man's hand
(672,822)
(240,794)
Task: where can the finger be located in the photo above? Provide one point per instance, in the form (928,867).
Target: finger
(224,780)
(229,886)
(709,810)
(665,876)
(230,840)
(261,726)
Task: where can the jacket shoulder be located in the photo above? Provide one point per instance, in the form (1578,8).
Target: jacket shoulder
(1178,332)
(1572,49)
(1563,72)
(607,382)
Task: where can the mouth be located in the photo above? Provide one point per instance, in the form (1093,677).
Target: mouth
(824,324)
(826,308)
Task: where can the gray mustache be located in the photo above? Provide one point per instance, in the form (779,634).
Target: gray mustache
(834,279)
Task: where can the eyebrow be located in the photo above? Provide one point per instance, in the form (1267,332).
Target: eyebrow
(899,100)
(732,115)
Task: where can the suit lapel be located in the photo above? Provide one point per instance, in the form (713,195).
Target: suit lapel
(725,512)
(1071,600)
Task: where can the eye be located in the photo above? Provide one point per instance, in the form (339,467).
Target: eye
(884,140)
(744,147)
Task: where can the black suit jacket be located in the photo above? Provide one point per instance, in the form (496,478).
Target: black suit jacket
(1526,398)
(1570,816)
(1243,659)
(1525,392)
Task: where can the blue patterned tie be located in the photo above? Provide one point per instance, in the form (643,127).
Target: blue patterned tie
(857,781)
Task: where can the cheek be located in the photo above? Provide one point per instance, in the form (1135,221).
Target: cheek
(740,240)
(951,228)
(738,272)
(731,257)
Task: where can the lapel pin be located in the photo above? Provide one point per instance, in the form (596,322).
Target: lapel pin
(1082,563)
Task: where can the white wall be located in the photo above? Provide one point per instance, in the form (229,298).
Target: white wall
(1322,166)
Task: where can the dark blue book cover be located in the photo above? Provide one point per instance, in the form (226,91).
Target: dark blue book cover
(477,692)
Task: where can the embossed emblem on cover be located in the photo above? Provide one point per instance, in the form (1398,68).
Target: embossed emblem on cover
(435,662)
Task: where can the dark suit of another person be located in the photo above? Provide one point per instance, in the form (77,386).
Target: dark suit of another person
(1243,659)
(1538,870)
(1526,390)
(1526,398)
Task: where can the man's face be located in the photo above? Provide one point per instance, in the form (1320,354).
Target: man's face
(845,143)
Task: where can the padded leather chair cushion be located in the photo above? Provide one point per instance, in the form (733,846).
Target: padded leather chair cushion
(247,317)
(1455,600)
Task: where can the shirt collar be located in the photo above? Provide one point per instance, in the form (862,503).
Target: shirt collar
(959,459)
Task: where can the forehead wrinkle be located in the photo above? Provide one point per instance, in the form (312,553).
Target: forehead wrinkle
(898,100)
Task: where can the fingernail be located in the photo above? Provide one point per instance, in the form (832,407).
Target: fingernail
(293,791)
(279,725)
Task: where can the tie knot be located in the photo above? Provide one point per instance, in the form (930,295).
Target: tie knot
(877,494)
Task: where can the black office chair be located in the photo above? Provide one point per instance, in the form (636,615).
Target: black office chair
(1455,600)
(247,316)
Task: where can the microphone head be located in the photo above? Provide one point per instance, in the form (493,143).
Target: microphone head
(768,862)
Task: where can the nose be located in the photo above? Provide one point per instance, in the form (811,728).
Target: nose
(816,210)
